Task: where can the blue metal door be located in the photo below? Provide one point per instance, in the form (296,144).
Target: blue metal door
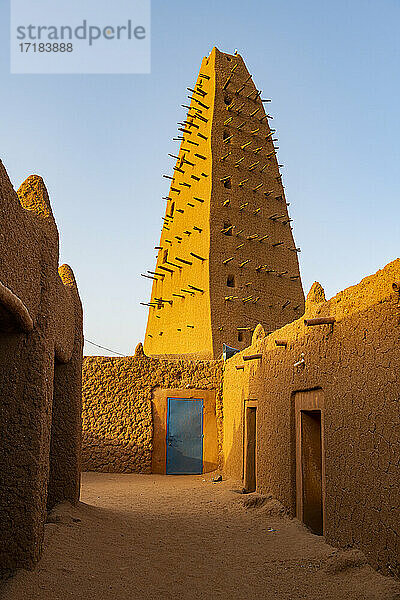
(184,437)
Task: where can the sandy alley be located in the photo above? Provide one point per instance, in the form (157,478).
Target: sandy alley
(157,537)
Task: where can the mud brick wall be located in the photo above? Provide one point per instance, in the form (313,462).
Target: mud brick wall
(356,364)
(117,414)
(40,364)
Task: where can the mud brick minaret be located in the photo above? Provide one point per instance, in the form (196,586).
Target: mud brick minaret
(226,258)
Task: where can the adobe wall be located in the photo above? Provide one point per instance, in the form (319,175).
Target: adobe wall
(356,363)
(40,372)
(118,394)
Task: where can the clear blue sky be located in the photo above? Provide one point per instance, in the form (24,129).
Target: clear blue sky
(101,142)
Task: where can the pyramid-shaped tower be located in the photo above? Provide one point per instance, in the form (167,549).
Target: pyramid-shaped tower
(226,259)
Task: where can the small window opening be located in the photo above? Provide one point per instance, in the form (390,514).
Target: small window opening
(227,99)
(240,336)
(165,256)
(171,212)
(230,281)
(227,183)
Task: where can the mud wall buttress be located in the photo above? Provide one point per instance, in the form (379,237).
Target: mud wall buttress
(66,428)
(26,414)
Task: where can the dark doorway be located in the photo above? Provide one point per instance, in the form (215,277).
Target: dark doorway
(250,482)
(230,281)
(311,466)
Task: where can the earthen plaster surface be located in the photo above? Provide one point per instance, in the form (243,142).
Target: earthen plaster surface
(226,259)
(117,406)
(356,363)
(40,364)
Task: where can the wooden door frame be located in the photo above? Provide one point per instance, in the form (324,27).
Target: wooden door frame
(306,401)
(159,407)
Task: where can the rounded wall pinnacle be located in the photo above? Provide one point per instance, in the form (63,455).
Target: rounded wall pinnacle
(259,333)
(316,293)
(139,350)
(33,195)
(67,275)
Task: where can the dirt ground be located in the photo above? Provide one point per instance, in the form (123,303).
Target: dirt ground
(157,537)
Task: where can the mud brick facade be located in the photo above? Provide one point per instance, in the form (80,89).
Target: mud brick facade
(40,363)
(124,400)
(346,375)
